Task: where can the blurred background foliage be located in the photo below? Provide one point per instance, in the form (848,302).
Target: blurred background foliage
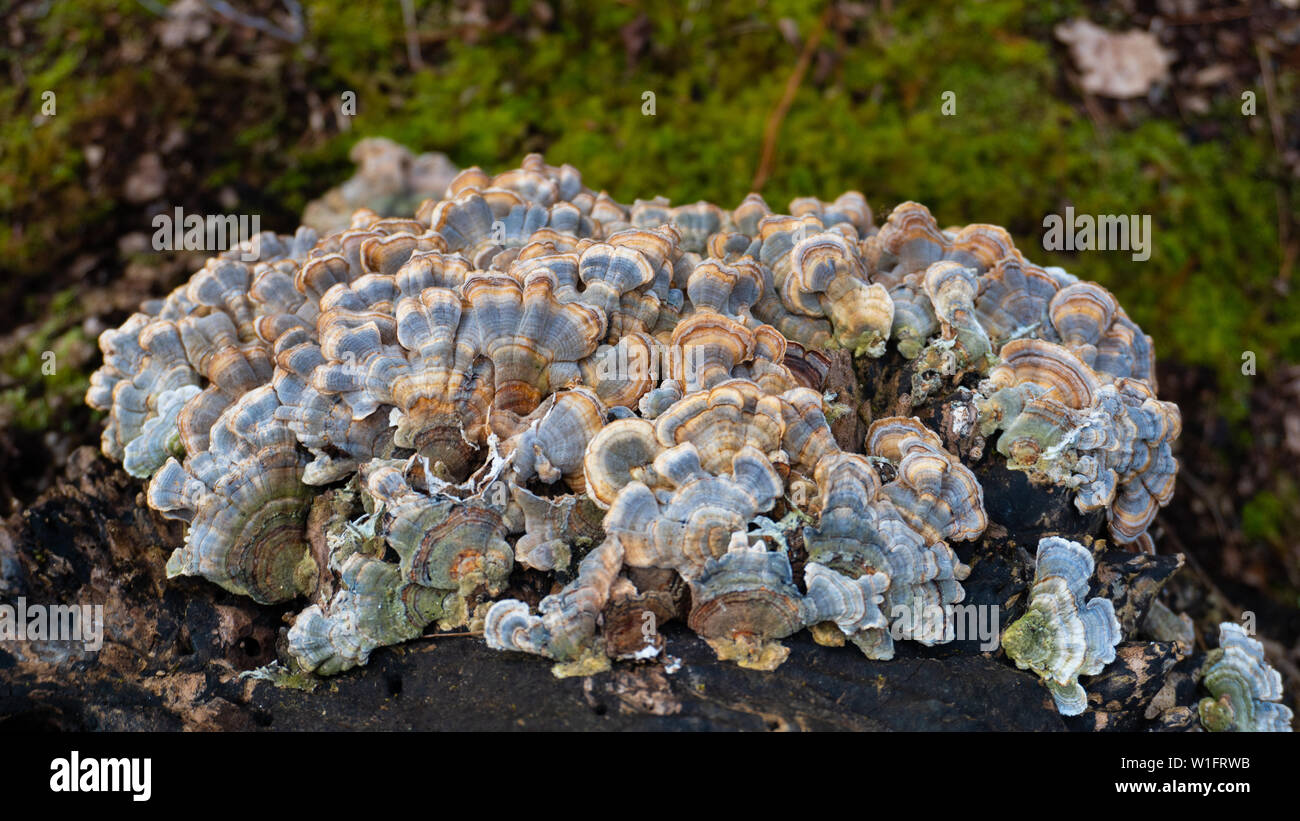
(248,122)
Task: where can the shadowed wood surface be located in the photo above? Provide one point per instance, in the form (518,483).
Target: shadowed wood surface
(174,649)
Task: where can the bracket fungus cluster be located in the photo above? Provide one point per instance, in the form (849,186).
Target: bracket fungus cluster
(1063,634)
(1244,688)
(538,412)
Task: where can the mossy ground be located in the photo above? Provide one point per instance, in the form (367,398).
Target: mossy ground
(249,124)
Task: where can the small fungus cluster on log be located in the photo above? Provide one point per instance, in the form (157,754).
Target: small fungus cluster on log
(562,420)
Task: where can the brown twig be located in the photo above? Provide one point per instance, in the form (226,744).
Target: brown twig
(1203,493)
(467,31)
(412,38)
(292,34)
(1279,142)
(787,99)
(1289,254)
(1090,106)
(1211,16)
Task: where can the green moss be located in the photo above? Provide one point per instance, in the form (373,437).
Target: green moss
(1030,640)
(46,371)
(1272,515)
(41,159)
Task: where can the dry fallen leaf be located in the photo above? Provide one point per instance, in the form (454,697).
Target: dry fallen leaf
(1115,64)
